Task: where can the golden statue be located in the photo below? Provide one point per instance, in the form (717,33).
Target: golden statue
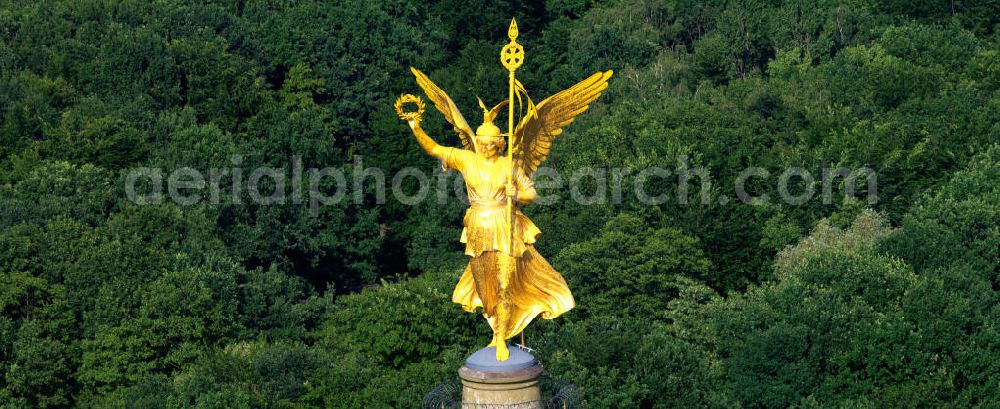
(505,276)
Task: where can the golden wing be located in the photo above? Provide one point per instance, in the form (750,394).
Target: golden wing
(447,107)
(536,131)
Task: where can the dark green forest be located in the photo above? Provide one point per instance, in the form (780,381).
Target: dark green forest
(109,303)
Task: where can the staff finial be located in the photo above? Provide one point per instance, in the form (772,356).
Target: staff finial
(512,54)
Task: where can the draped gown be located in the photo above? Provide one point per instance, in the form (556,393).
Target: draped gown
(534,288)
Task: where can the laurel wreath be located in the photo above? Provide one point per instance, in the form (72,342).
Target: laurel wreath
(412,115)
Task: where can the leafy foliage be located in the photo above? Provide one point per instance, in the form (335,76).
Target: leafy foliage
(698,300)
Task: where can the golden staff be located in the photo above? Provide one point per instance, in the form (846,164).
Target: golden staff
(511,56)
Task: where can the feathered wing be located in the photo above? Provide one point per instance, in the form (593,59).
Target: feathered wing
(534,134)
(447,107)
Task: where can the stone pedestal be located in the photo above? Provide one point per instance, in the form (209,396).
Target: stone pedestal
(488,383)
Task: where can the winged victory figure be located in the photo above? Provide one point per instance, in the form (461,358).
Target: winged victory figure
(506,276)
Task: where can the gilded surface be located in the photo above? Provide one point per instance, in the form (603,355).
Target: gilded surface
(505,276)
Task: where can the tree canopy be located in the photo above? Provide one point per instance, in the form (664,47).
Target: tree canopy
(696,300)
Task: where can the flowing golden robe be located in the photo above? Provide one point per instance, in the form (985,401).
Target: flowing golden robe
(534,288)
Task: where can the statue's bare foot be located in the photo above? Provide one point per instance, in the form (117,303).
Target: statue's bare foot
(502,352)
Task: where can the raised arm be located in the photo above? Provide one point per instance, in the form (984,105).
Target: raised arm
(432,148)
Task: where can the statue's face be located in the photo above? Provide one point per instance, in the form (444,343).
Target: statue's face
(489,146)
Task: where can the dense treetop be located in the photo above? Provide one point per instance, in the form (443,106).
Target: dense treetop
(891,302)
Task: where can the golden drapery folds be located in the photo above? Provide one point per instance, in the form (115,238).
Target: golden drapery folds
(534,287)
(506,277)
